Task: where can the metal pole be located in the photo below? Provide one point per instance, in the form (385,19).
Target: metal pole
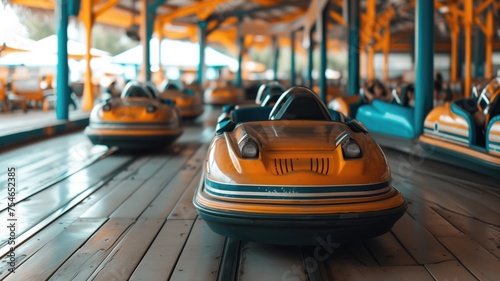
(292,59)
(147,20)
(353,22)
(468,23)
(241,47)
(310,64)
(202,25)
(62,60)
(478,53)
(323,56)
(371,14)
(424,64)
(276,50)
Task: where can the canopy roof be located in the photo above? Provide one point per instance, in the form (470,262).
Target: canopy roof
(11,42)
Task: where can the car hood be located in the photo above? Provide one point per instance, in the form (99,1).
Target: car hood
(291,135)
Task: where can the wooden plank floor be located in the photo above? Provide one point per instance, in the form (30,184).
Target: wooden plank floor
(89,213)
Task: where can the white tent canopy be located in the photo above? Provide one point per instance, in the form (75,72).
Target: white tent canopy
(75,48)
(31,59)
(44,53)
(175,53)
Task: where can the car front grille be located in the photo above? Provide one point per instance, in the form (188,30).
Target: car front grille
(284,166)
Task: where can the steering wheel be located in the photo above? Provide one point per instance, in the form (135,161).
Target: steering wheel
(396,96)
(483,102)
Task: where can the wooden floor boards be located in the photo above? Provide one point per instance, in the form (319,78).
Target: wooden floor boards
(113,215)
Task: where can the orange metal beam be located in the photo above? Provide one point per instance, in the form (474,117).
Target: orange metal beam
(468,21)
(105,7)
(369,28)
(87,18)
(42,4)
(202,9)
(386,48)
(338,18)
(489,44)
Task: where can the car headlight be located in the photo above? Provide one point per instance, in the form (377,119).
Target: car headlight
(250,149)
(106,107)
(151,108)
(351,149)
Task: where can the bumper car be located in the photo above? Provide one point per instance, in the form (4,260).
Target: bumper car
(467,131)
(295,173)
(267,95)
(227,94)
(136,120)
(186,100)
(349,105)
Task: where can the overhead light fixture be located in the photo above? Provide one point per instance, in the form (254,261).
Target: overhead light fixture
(133,31)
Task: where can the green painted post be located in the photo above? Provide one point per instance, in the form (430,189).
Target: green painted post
(62,91)
(479,53)
(150,7)
(460,55)
(276,50)
(292,59)
(353,23)
(323,55)
(150,18)
(241,49)
(310,63)
(424,64)
(202,26)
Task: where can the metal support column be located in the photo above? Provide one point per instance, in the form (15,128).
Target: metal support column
(369,27)
(292,59)
(147,21)
(490,32)
(478,52)
(276,56)
(62,91)
(323,56)
(468,24)
(310,63)
(241,50)
(424,64)
(353,23)
(460,55)
(202,27)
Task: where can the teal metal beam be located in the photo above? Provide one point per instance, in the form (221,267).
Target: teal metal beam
(202,27)
(241,50)
(147,46)
(310,62)
(479,55)
(154,4)
(292,59)
(74,8)
(62,91)
(353,48)
(150,14)
(276,55)
(323,55)
(460,55)
(424,63)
